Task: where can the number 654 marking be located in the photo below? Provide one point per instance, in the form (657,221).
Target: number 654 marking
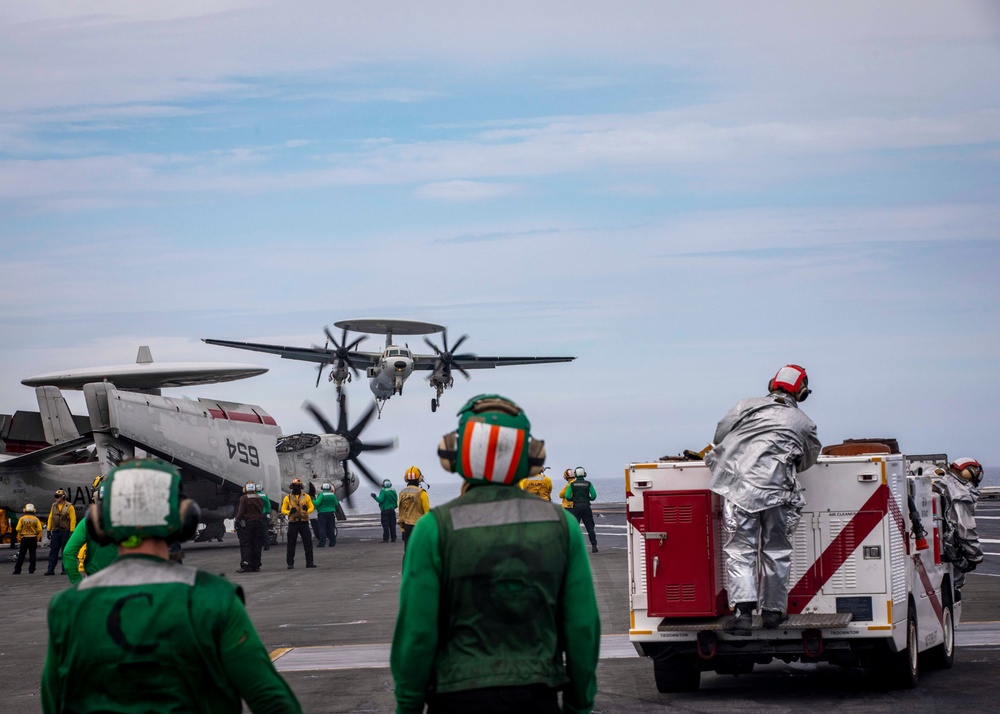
(247,452)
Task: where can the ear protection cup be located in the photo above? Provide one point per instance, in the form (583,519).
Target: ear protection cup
(190,513)
(536,456)
(448,452)
(95,526)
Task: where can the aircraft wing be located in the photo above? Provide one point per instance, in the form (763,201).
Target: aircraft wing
(304,354)
(427,362)
(36,457)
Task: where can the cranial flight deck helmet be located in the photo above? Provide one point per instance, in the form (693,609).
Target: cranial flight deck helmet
(326,487)
(967,469)
(492,443)
(250,487)
(143,498)
(386,483)
(568,475)
(791,379)
(29,508)
(413,475)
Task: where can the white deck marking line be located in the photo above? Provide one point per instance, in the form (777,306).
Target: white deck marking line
(376,656)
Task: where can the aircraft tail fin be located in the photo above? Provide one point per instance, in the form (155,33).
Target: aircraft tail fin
(144,356)
(57,421)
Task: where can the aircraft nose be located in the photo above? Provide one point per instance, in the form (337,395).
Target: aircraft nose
(399,364)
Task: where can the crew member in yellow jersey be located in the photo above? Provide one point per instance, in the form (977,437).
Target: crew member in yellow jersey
(297,506)
(566,502)
(540,485)
(413,503)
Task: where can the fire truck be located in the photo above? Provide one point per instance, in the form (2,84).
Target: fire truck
(868,586)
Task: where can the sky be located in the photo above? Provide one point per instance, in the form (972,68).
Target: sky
(684,196)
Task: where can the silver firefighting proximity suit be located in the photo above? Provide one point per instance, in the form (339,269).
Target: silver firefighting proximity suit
(760,446)
(961,540)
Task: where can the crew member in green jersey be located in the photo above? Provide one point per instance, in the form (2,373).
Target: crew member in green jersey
(147,634)
(387,500)
(496,604)
(81,546)
(326,508)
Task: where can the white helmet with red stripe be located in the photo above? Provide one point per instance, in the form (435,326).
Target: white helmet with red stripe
(967,469)
(492,443)
(791,379)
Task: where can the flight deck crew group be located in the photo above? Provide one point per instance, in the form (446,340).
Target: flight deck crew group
(496,605)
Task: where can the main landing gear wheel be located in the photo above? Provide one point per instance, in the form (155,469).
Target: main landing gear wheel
(434,404)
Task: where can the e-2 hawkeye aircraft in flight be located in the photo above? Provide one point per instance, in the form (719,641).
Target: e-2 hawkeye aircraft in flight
(388,370)
(219,445)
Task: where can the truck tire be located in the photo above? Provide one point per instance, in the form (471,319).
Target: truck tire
(903,667)
(679,673)
(943,656)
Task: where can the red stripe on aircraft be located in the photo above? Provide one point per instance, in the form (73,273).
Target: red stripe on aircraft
(836,554)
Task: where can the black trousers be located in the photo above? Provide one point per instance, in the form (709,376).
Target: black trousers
(389,525)
(251,544)
(586,517)
(296,529)
(56,545)
(327,526)
(535,699)
(28,546)
(405,529)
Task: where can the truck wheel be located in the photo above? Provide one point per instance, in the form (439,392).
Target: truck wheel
(943,656)
(903,666)
(679,673)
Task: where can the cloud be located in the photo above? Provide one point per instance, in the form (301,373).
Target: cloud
(466,190)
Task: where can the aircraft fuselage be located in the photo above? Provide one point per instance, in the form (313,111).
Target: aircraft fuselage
(388,376)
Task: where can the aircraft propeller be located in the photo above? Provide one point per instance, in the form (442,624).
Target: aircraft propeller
(446,357)
(344,349)
(352,436)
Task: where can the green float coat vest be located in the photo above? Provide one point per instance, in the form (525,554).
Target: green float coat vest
(145,630)
(581,493)
(504,554)
(387,499)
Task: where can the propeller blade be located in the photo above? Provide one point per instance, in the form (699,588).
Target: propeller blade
(318,416)
(378,445)
(357,342)
(330,337)
(362,423)
(461,339)
(461,369)
(432,346)
(368,474)
(342,418)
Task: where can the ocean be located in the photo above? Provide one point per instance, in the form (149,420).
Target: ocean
(609,490)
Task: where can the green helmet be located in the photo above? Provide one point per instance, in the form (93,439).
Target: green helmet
(492,443)
(143,498)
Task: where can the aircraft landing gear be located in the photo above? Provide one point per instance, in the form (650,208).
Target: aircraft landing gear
(434,404)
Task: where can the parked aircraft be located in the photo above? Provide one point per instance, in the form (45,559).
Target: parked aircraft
(219,445)
(388,370)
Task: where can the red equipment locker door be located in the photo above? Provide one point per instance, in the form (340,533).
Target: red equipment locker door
(680,554)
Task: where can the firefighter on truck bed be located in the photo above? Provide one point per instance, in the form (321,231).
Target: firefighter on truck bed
(760,445)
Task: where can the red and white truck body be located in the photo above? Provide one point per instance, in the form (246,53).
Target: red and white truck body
(861,592)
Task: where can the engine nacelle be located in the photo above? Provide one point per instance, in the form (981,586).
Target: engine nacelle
(315,459)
